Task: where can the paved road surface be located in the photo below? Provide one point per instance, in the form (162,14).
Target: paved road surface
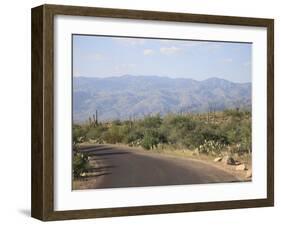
(126,167)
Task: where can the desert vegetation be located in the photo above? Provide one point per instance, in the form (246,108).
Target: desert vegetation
(215,134)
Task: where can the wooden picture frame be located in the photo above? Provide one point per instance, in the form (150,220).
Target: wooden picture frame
(42,203)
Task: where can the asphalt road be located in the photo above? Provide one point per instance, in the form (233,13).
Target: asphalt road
(126,167)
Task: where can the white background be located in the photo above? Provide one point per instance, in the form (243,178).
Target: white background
(15,112)
(66,199)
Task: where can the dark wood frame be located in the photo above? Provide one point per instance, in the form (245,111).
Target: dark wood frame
(42,203)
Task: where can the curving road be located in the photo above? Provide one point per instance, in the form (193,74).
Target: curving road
(127,167)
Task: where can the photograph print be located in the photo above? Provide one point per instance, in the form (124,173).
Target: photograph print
(159,112)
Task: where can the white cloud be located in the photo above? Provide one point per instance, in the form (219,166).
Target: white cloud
(97,56)
(124,68)
(247,64)
(228,60)
(169,50)
(91,56)
(147,52)
(183,43)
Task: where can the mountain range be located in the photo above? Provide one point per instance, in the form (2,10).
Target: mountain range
(136,96)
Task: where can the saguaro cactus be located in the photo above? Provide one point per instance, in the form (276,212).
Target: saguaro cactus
(96,116)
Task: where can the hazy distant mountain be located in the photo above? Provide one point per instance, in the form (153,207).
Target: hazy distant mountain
(136,96)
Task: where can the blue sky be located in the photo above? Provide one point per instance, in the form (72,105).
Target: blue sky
(100,56)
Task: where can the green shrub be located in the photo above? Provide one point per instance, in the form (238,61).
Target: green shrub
(227,128)
(113,135)
(79,134)
(80,164)
(134,138)
(152,138)
(80,161)
(211,147)
(151,121)
(149,141)
(95,133)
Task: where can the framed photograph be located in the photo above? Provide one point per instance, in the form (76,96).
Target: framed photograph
(142,112)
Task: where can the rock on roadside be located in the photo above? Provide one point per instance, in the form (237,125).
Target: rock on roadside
(218,159)
(227,160)
(241,167)
(249,174)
